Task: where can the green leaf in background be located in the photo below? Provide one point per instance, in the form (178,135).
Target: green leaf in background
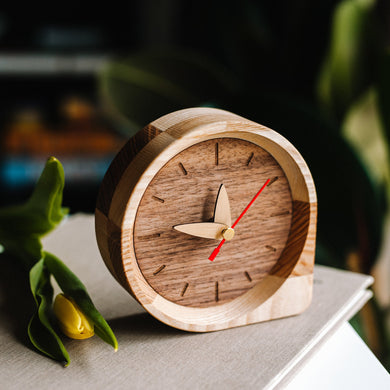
(383,88)
(151,84)
(72,286)
(352,49)
(364,131)
(40,330)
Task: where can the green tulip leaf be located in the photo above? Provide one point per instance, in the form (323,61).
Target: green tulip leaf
(46,200)
(21,226)
(42,212)
(40,330)
(26,249)
(72,286)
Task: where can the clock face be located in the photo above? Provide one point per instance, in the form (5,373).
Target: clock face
(185,191)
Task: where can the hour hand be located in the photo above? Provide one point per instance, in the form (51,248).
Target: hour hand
(212,230)
(222,207)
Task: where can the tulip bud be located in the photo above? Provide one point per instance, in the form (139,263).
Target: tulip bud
(72,322)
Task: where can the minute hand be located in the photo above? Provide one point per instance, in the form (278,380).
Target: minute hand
(216,250)
(222,207)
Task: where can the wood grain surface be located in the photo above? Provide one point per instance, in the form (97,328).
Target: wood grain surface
(174,198)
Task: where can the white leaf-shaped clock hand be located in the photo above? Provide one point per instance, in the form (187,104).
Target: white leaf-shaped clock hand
(212,230)
(222,207)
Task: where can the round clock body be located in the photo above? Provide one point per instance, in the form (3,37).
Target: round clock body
(171,175)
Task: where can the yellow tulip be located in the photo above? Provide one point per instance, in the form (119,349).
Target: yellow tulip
(72,321)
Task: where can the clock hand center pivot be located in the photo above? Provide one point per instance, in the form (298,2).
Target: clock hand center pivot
(228,233)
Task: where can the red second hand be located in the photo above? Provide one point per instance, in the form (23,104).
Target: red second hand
(216,250)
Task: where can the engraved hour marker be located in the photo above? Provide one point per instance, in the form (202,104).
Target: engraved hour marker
(273,180)
(248,276)
(158,270)
(280,214)
(158,199)
(216,292)
(183,169)
(184,289)
(271,248)
(250,159)
(149,236)
(216,154)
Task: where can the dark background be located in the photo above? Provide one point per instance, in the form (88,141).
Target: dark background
(264,45)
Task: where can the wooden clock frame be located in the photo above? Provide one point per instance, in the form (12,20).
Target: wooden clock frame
(286,291)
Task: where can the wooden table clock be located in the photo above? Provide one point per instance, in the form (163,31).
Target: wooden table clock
(209,221)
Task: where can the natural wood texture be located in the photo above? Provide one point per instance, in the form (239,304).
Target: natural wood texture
(222,213)
(192,199)
(129,179)
(210,230)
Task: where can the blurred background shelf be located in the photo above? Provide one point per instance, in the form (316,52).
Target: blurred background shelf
(32,64)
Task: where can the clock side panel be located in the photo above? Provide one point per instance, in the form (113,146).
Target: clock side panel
(120,163)
(296,241)
(107,231)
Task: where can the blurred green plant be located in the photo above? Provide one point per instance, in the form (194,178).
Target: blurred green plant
(329,97)
(348,65)
(354,89)
(154,83)
(21,228)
